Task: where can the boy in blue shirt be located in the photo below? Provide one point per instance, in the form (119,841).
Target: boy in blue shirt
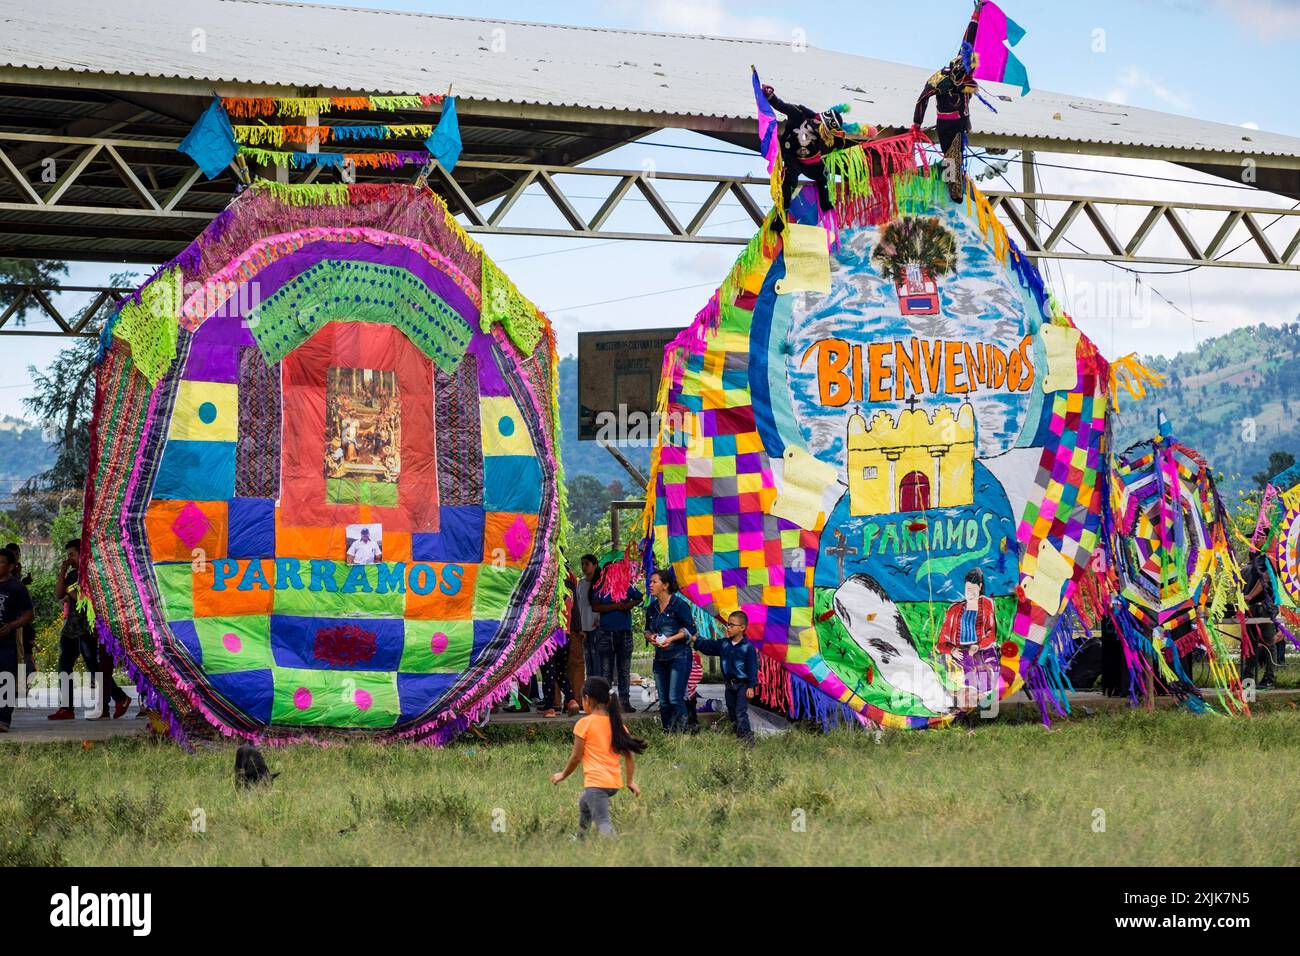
(739,670)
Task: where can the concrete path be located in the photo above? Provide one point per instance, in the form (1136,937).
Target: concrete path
(31,726)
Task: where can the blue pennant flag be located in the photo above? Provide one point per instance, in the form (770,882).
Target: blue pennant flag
(211,142)
(444,143)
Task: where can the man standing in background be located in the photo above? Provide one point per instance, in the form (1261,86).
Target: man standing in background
(585,623)
(612,650)
(15,614)
(29,630)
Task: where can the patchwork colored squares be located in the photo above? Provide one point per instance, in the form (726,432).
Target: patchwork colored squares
(332,506)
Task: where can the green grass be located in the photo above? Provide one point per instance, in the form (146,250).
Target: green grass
(1174,788)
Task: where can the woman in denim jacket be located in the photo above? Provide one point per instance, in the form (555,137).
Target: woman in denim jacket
(670,626)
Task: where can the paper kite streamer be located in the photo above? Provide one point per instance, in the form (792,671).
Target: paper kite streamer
(324,495)
(993,59)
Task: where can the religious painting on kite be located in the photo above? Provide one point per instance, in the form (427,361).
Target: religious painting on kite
(363,419)
(883,443)
(323,496)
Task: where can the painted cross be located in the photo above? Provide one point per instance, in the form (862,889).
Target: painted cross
(840,552)
(911,403)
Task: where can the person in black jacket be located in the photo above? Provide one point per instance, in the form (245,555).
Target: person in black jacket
(739,670)
(1261,618)
(29,630)
(806,137)
(951,88)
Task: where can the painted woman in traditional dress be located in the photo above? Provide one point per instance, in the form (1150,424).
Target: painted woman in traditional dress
(968,639)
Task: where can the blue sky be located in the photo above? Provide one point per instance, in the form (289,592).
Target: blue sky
(1230,62)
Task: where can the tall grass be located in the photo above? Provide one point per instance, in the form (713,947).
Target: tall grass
(1134,788)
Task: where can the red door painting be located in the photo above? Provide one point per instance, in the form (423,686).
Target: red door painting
(914,492)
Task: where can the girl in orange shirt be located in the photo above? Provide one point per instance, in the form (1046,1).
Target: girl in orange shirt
(599,739)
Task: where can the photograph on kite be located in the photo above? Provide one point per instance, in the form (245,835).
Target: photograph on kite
(839,451)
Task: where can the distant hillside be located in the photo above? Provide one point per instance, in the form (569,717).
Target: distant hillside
(24,453)
(1251,373)
(1213,395)
(1241,386)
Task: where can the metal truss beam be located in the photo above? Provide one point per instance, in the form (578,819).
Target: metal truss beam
(25,297)
(140,205)
(1021,211)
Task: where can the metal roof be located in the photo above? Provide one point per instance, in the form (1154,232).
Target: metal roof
(694,82)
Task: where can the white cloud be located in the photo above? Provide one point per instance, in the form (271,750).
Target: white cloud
(1123,317)
(1133,81)
(1271,20)
(706,18)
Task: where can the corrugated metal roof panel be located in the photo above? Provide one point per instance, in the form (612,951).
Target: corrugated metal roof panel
(342,48)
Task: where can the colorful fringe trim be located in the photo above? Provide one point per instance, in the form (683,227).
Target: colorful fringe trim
(137,380)
(251,106)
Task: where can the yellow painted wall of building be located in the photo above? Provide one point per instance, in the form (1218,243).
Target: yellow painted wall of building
(915,441)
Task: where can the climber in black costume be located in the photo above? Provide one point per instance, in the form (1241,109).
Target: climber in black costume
(952,87)
(805,139)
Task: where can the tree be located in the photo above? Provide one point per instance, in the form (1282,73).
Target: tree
(61,402)
(36,271)
(587,500)
(1278,462)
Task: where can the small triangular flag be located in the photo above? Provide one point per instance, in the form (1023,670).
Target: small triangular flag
(443,143)
(211,141)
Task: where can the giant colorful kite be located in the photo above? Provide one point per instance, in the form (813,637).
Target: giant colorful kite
(883,440)
(1278,531)
(1174,572)
(324,494)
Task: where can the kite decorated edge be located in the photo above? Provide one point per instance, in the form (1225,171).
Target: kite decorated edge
(872,184)
(138,363)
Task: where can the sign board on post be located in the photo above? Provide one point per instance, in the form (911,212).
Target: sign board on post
(618,381)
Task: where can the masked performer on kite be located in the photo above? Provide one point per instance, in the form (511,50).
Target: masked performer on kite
(952,87)
(807,137)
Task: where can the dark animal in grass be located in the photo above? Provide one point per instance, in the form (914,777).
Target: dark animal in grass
(250,767)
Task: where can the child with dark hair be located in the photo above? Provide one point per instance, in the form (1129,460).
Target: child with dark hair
(599,739)
(739,670)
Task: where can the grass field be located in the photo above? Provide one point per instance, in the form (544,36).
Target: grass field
(1173,789)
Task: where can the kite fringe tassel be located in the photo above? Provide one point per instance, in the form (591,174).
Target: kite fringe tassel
(1045,674)
(303,194)
(616,579)
(152,699)
(809,703)
(774,683)
(1134,377)
(986,220)
(445,727)
(866,177)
